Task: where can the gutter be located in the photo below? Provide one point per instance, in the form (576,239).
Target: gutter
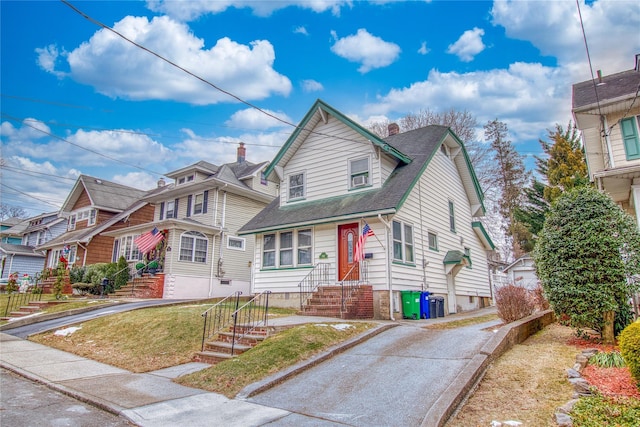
(387,235)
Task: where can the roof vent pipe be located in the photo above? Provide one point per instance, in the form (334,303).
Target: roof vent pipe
(161,183)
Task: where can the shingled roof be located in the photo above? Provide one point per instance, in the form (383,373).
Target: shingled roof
(611,88)
(419,145)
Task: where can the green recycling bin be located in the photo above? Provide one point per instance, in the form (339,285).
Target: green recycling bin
(410,304)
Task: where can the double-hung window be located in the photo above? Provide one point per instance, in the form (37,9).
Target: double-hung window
(72,222)
(287,249)
(403,242)
(358,172)
(92,217)
(193,247)
(296,186)
(433,241)
(630,129)
(128,248)
(198,202)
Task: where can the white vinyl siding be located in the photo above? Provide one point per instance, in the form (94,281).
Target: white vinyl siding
(287,249)
(359,172)
(322,158)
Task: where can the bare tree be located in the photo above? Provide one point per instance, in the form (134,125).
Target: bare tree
(7,211)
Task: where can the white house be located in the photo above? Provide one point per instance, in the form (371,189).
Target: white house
(416,190)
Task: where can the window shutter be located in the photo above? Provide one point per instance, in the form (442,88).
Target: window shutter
(161,211)
(204,202)
(175,208)
(189,199)
(630,138)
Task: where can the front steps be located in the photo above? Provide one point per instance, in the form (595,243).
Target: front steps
(146,286)
(327,302)
(219,348)
(32,307)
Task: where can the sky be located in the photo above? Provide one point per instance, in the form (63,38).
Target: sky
(177,82)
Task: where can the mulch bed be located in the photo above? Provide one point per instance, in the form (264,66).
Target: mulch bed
(611,382)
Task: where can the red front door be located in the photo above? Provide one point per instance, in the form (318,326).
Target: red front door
(347,238)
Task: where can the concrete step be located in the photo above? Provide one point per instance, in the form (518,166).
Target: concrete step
(225,347)
(211,357)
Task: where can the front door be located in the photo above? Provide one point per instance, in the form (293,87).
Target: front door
(347,238)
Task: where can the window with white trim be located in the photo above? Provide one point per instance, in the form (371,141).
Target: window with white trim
(359,172)
(171,209)
(630,129)
(71,225)
(92,217)
(433,241)
(193,247)
(296,186)
(41,238)
(235,243)
(403,242)
(278,249)
(128,249)
(198,203)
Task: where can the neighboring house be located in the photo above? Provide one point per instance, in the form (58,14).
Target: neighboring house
(12,229)
(199,214)
(416,190)
(21,259)
(43,228)
(607,111)
(522,272)
(95,206)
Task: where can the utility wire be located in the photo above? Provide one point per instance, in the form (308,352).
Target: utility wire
(80,146)
(29,195)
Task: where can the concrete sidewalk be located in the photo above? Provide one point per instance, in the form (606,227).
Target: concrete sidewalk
(152,399)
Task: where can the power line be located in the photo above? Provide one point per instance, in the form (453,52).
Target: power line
(29,195)
(81,147)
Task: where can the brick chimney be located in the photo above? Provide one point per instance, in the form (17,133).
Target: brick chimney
(242,153)
(393,128)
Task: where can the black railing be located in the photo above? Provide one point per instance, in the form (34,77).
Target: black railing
(220,316)
(17,300)
(320,274)
(249,317)
(358,274)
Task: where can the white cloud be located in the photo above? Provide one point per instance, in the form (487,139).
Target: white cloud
(423,49)
(370,51)
(311,86)
(47,58)
(530,98)
(251,118)
(468,45)
(142,180)
(301,30)
(193,9)
(555,29)
(117,68)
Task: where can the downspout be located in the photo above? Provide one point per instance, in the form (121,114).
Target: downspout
(84,257)
(387,235)
(424,261)
(215,217)
(222,224)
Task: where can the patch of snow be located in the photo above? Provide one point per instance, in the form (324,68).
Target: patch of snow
(67,331)
(338,326)
(13,319)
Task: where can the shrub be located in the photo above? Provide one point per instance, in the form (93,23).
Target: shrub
(513,303)
(629,342)
(86,288)
(12,283)
(607,360)
(76,273)
(122,275)
(539,300)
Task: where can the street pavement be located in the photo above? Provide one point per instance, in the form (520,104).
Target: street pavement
(399,373)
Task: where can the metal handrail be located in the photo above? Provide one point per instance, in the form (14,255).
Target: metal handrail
(16,300)
(250,316)
(320,274)
(351,282)
(220,316)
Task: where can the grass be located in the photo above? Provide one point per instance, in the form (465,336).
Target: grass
(274,354)
(463,322)
(611,359)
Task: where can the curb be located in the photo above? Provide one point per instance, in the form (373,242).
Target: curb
(279,377)
(504,339)
(52,316)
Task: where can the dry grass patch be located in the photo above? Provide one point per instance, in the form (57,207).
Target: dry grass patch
(463,322)
(526,384)
(140,340)
(274,354)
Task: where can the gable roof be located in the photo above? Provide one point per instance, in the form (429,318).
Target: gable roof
(104,195)
(317,113)
(417,146)
(23,250)
(608,89)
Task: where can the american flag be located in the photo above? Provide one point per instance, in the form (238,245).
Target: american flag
(147,242)
(359,252)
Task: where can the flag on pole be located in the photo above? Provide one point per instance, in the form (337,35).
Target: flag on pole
(359,252)
(148,241)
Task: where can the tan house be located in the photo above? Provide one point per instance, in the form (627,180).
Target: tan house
(199,214)
(607,111)
(418,193)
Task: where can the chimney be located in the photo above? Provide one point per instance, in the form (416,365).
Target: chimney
(242,152)
(161,183)
(637,62)
(393,128)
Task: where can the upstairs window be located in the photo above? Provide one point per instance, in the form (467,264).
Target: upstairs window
(629,128)
(433,241)
(92,217)
(169,209)
(358,172)
(198,201)
(452,217)
(296,186)
(72,222)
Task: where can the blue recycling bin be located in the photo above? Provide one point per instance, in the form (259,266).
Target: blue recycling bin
(424,305)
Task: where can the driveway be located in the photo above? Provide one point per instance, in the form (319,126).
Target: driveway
(390,380)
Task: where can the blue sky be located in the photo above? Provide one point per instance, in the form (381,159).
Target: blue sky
(78,99)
